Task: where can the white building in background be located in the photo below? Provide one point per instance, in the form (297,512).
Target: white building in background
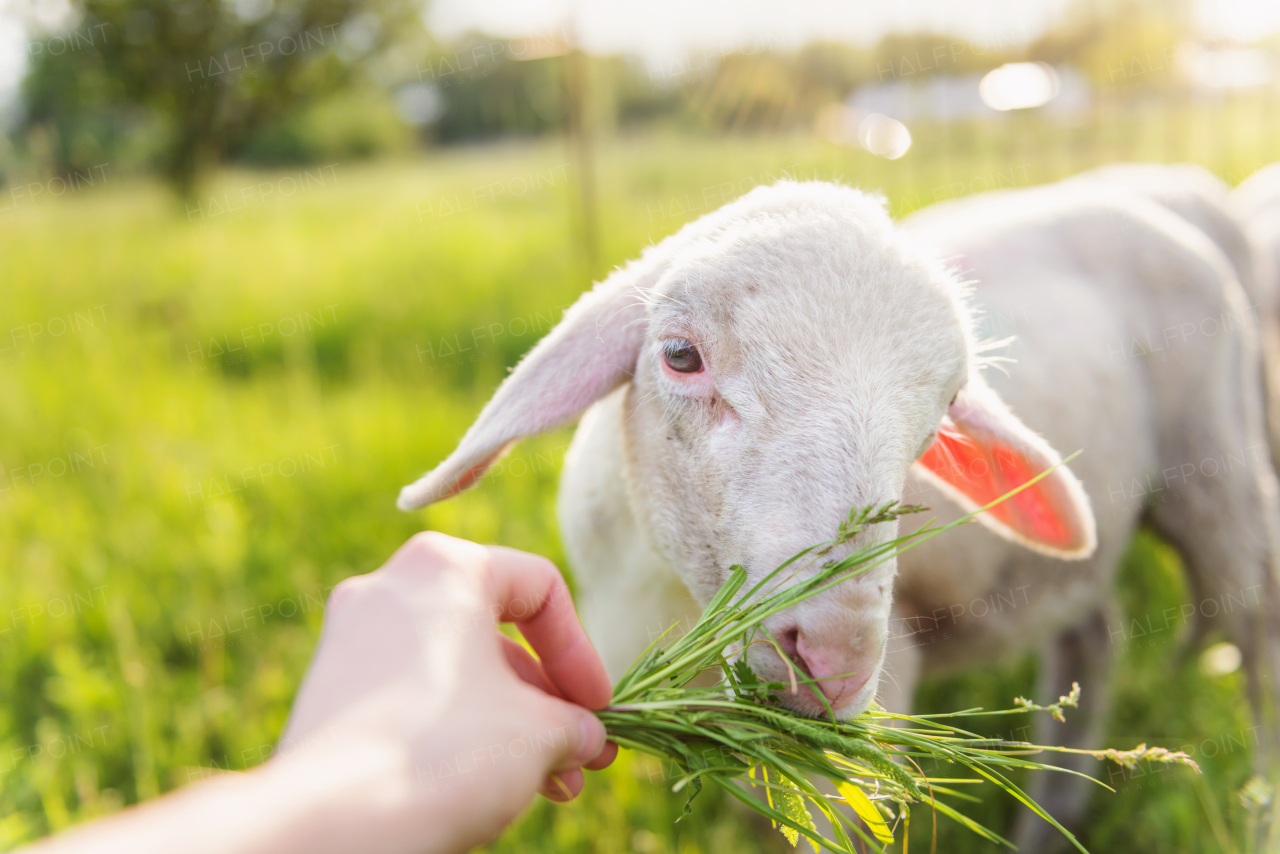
(1064,92)
(1231,68)
(1061,91)
(876,116)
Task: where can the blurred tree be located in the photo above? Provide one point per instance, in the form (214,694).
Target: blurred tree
(208,74)
(1119,43)
(493,86)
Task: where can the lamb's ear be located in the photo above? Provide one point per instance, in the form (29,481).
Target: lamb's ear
(982,451)
(589,353)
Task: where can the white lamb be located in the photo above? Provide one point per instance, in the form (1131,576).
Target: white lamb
(1204,200)
(795,353)
(1256,204)
(1245,224)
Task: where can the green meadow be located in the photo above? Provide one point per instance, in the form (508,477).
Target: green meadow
(207,409)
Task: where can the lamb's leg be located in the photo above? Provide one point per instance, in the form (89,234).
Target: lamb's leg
(1216,494)
(1223,519)
(1080,654)
(1236,587)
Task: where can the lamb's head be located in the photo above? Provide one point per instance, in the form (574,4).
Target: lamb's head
(790,356)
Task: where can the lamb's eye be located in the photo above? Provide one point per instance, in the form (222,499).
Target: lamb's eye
(681,356)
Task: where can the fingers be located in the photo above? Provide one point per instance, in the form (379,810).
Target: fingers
(576,735)
(584,745)
(527,667)
(604,758)
(444,577)
(524,589)
(563,785)
(528,590)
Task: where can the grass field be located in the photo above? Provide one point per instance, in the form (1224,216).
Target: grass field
(206,415)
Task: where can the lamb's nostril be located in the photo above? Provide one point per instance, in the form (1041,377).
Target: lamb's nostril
(787,640)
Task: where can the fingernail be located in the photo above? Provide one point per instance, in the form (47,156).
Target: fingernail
(556,790)
(591,734)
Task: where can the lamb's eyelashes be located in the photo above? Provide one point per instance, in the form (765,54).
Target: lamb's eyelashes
(681,356)
(683,369)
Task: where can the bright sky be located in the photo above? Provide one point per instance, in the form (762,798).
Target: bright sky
(665,29)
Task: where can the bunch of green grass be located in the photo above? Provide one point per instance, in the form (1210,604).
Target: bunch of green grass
(736,736)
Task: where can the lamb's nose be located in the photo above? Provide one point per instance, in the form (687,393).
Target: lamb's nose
(840,675)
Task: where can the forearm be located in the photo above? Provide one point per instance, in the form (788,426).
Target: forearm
(335,800)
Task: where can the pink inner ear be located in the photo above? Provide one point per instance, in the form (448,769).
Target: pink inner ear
(476,472)
(983,469)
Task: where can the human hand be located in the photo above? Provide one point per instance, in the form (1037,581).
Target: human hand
(411,667)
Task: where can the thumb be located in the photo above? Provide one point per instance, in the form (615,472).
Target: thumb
(574,736)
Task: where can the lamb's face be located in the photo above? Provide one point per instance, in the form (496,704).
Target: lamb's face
(788,374)
(789,357)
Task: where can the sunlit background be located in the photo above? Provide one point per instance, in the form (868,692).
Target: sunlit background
(261,262)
